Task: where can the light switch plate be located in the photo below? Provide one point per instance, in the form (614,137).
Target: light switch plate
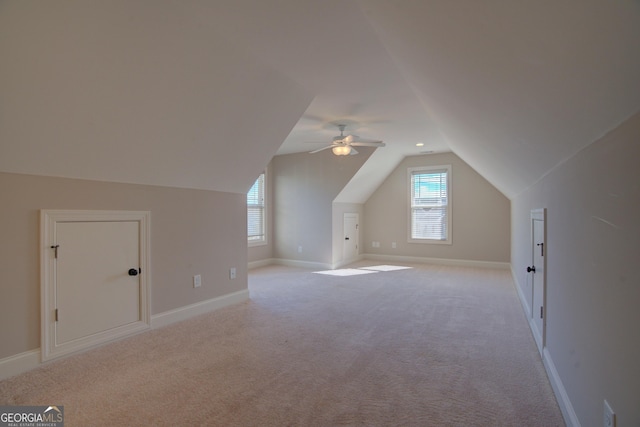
(197,281)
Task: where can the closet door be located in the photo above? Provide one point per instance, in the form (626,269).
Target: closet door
(96,289)
(93,288)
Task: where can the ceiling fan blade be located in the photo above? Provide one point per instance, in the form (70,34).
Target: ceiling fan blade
(347,142)
(314,118)
(320,149)
(368,144)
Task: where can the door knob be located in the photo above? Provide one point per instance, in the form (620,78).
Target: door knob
(530,269)
(133,272)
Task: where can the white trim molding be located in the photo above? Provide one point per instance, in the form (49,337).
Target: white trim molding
(441,261)
(568,413)
(19,363)
(202,307)
(562,397)
(382,258)
(341,264)
(49,219)
(23,362)
(302,264)
(261,263)
(435,169)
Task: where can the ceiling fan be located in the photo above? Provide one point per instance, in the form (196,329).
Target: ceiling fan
(342,145)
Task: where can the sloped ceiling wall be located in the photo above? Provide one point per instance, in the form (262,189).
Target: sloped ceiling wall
(201,94)
(140,92)
(516,88)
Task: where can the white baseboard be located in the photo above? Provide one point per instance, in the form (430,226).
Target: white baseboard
(23,362)
(261,263)
(19,363)
(202,307)
(566,407)
(382,258)
(302,264)
(441,261)
(341,264)
(569,415)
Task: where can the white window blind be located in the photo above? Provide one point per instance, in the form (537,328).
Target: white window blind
(430,207)
(256,211)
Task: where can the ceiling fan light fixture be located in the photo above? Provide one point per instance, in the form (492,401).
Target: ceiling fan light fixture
(342,144)
(341,150)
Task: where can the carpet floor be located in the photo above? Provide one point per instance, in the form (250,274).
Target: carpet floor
(426,346)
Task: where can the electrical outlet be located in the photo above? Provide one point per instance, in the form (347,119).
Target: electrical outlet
(609,416)
(197,281)
(299,249)
(232,273)
(393,245)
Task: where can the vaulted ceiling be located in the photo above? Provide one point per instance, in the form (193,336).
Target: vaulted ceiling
(201,93)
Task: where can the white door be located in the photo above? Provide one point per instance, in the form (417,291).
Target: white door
(537,270)
(351,236)
(95,289)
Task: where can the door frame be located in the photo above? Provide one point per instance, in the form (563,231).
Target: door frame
(539,335)
(48,221)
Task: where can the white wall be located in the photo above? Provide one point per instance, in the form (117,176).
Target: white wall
(304,188)
(480,227)
(593,286)
(192,232)
(144,92)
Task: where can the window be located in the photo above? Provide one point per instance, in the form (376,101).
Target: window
(256,212)
(430,209)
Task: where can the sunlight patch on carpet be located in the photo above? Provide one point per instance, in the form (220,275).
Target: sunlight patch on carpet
(345,272)
(385,268)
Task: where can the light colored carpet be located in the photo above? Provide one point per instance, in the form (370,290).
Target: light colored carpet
(345,272)
(385,267)
(428,346)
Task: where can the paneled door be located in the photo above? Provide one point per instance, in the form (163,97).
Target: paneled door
(96,289)
(351,236)
(537,269)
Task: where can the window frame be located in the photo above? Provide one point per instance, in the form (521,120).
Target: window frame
(449,211)
(260,241)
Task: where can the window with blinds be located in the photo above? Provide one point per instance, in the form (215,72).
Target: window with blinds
(256,212)
(430,210)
